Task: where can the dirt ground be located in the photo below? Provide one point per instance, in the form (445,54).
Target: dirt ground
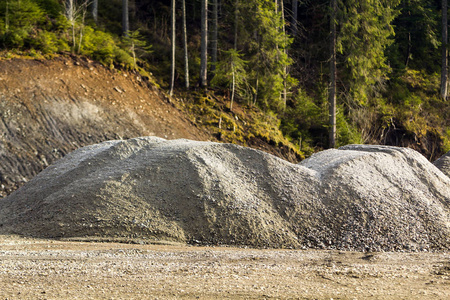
(49,269)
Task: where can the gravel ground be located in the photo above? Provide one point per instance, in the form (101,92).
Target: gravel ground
(48,269)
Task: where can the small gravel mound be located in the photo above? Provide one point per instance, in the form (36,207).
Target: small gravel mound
(149,189)
(382,198)
(443,164)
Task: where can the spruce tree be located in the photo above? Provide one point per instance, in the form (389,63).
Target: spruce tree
(186,56)
(125,18)
(95,10)
(366,31)
(204,44)
(332,87)
(173,38)
(444,65)
(267,57)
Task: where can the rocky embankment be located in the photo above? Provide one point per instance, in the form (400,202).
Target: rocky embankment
(375,198)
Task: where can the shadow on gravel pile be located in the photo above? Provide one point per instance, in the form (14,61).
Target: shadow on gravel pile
(443,164)
(355,198)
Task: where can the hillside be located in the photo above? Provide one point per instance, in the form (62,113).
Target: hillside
(49,108)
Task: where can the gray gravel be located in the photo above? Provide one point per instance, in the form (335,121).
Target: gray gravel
(149,189)
(443,164)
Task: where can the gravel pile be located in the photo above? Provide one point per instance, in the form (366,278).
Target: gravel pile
(148,189)
(443,164)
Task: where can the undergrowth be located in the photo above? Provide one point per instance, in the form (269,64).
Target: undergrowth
(240,126)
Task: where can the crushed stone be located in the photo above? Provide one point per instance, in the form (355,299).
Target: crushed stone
(366,198)
(443,164)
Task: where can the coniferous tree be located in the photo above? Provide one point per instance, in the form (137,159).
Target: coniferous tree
(125,18)
(444,65)
(204,44)
(285,67)
(294,18)
(236,22)
(417,39)
(95,10)
(18,21)
(231,73)
(70,12)
(172,82)
(332,87)
(366,31)
(214,33)
(267,57)
(186,57)
(137,45)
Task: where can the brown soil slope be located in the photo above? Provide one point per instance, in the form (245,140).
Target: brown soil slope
(49,108)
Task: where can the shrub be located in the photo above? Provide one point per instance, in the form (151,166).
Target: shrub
(99,45)
(46,42)
(123,58)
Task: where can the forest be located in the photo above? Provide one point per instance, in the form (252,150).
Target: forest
(324,73)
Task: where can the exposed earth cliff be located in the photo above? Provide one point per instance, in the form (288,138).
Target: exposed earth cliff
(49,108)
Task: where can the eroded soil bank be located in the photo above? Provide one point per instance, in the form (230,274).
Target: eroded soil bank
(50,108)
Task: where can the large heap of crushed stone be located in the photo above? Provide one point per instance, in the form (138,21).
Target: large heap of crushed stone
(355,198)
(443,164)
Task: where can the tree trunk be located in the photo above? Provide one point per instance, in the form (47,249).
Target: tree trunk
(332,88)
(83,17)
(233,87)
(186,57)
(214,34)
(444,69)
(204,44)
(95,10)
(285,70)
(7,18)
(172,82)
(255,97)
(70,15)
(236,19)
(294,17)
(125,19)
